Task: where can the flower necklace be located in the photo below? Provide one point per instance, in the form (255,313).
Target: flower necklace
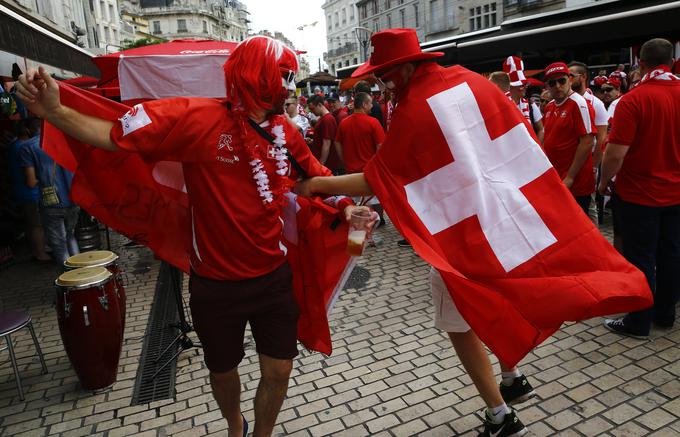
(271,188)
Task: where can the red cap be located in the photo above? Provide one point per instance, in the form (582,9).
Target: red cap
(555,69)
(600,80)
(614,82)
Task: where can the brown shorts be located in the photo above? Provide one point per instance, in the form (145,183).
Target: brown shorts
(221,309)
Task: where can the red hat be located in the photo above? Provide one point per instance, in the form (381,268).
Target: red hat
(517,78)
(513,63)
(614,82)
(392,47)
(600,80)
(555,69)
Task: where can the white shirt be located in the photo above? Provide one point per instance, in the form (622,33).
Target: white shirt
(612,108)
(302,123)
(601,115)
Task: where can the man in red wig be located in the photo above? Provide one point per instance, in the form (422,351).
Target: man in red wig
(235,158)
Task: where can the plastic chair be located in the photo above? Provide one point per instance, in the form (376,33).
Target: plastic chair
(10,322)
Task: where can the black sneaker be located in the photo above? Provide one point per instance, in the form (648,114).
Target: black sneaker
(511,426)
(403,243)
(519,391)
(618,326)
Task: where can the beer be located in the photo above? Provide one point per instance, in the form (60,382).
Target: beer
(355,242)
(359,226)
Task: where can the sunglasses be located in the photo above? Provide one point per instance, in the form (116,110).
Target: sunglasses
(288,80)
(607,90)
(553,82)
(382,78)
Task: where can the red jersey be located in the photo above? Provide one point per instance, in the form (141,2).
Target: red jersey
(234,236)
(647,119)
(325,129)
(564,126)
(341,114)
(359,135)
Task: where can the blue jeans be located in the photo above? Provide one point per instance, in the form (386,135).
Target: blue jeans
(651,242)
(60,224)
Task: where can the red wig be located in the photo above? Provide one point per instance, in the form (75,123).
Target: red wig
(254,72)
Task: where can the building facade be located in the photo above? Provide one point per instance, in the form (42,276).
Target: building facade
(108,24)
(522,8)
(378,15)
(65,18)
(446,18)
(224,20)
(341,21)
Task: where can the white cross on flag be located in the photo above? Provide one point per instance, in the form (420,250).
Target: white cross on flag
(464,180)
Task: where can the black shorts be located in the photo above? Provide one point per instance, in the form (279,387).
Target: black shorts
(221,309)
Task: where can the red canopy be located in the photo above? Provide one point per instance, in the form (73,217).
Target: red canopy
(174,68)
(83,81)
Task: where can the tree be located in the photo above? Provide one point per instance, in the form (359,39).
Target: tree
(127,44)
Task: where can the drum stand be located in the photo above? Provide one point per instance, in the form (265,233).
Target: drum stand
(182,339)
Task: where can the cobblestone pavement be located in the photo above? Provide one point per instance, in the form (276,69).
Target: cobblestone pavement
(391,373)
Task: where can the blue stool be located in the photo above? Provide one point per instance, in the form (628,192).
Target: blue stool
(10,322)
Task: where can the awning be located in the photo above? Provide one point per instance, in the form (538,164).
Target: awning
(22,37)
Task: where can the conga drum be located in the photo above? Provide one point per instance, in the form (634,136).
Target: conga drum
(90,326)
(107,259)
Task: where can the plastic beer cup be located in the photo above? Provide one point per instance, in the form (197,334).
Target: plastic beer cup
(358,231)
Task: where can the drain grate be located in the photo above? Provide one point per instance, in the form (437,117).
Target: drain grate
(358,278)
(159,335)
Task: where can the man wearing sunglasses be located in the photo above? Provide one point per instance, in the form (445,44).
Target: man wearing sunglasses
(611,93)
(578,72)
(569,129)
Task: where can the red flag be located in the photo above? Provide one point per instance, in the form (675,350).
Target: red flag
(147,203)
(465,182)
(321,266)
(144,201)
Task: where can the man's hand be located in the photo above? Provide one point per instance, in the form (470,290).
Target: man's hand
(304,187)
(568,182)
(39,92)
(353,208)
(605,188)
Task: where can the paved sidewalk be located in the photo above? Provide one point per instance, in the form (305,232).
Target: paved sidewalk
(391,373)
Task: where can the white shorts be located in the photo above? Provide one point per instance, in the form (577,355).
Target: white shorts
(446,315)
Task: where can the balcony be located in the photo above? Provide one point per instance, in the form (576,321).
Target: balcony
(347,48)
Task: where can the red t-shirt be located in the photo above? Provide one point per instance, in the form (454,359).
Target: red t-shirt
(359,135)
(325,129)
(234,236)
(564,126)
(647,119)
(341,114)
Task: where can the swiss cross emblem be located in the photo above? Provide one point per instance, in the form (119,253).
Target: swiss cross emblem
(484,180)
(271,152)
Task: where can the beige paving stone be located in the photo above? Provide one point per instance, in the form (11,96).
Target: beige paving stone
(656,419)
(593,427)
(621,413)
(563,420)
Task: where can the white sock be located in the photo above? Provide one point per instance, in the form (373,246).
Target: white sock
(508,377)
(497,414)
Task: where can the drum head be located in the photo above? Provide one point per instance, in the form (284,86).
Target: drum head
(83,277)
(89,259)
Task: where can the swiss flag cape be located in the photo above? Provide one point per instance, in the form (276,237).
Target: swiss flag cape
(466,183)
(147,203)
